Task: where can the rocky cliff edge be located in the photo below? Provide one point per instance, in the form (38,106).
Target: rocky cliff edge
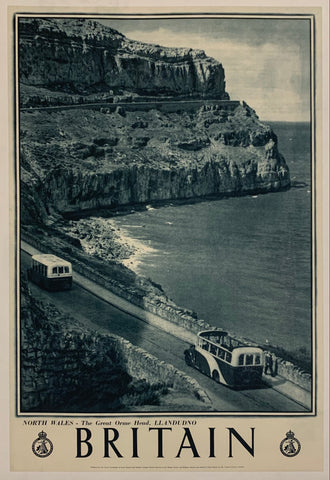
(84,56)
(78,159)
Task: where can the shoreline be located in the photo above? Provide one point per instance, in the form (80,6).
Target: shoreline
(112,212)
(139,248)
(105,239)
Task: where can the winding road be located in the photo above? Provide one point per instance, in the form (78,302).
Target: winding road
(95,313)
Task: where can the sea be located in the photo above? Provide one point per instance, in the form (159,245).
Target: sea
(243,264)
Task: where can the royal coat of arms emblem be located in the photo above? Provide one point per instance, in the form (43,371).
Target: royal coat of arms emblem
(42,446)
(290,446)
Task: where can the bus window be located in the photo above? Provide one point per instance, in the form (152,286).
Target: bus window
(60,269)
(205,345)
(228,357)
(54,270)
(257,360)
(224,343)
(66,269)
(221,353)
(241,360)
(249,360)
(213,349)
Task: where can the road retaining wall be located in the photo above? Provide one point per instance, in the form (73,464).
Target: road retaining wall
(165,308)
(60,358)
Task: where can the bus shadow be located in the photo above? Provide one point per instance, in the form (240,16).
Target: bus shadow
(265,383)
(272,381)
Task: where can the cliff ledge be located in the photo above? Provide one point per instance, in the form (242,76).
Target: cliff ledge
(86,158)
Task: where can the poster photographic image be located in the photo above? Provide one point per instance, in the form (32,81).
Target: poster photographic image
(167,240)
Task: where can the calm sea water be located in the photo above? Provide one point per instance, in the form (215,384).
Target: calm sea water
(241,263)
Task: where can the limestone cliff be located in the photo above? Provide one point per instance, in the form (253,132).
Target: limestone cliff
(81,55)
(73,160)
(76,162)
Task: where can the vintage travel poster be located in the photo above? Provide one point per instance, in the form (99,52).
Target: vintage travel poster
(168,250)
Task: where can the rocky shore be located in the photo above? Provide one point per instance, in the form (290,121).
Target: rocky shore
(101,238)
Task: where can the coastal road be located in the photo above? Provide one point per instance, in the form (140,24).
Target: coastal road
(135,106)
(104,317)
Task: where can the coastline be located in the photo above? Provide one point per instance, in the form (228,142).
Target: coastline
(104,239)
(139,249)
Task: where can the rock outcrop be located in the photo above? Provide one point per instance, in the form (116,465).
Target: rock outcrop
(84,56)
(73,160)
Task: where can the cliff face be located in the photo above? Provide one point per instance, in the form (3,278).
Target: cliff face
(73,162)
(106,157)
(85,56)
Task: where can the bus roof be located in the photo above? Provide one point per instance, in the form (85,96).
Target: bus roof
(214,331)
(235,342)
(247,349)
(49,259)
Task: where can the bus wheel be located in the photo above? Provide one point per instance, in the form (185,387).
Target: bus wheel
(215,376)
(187,358)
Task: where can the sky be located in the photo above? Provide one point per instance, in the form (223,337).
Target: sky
(266,61)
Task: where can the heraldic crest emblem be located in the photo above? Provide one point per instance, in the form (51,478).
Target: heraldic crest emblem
(290,446)
(42,446)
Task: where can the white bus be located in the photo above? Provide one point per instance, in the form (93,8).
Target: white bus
(226,359)
(50,272)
